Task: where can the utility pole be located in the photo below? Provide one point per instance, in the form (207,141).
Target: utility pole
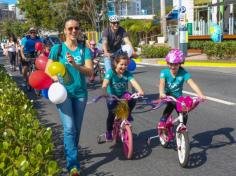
(163,19)
(153,12)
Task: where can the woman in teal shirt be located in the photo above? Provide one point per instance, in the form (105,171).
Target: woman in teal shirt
(77,61)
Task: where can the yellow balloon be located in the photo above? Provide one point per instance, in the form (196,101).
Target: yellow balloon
(56,68)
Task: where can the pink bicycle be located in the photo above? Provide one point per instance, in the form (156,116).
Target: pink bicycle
(180,133)
(122,129)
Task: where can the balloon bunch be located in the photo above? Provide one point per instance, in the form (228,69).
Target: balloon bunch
(39,80)
(57,93)
(216,33)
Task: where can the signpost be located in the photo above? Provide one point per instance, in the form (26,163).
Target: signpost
(183,30)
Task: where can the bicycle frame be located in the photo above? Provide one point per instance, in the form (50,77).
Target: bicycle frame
(174,121)
(122,127)
(166,133)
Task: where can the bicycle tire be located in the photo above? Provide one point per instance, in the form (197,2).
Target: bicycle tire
(163,137)
(101,74)
(128,142)
(28,87)
(183,148)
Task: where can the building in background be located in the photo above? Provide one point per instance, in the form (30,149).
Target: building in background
(5,13)
(125,7)
(201,14)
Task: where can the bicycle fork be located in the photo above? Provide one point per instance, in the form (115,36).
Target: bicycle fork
(122,128)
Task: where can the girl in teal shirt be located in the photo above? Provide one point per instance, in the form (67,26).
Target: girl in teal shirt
(172,81)
(116,83)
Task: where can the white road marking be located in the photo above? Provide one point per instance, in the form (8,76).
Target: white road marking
(213,99)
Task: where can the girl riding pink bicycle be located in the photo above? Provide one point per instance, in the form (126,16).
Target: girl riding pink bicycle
(116,83)
(172,80)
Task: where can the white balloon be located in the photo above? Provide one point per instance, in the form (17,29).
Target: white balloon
(128,49)
(57,93)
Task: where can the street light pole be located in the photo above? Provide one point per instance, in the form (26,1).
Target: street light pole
(183,32)
(163,19)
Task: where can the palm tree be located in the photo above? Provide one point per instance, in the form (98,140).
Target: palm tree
(140,26)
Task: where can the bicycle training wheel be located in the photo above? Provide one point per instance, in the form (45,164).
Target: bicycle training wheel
(183,148)
(127,142)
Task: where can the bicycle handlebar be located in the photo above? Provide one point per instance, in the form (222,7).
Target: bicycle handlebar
(132,96)
(183,104)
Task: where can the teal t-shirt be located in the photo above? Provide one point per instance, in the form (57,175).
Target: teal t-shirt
(118,85)
(174,85)
(73,80)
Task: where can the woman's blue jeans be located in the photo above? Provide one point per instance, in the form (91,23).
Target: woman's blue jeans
(71,114)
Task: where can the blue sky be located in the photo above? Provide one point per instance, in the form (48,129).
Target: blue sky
(9,1)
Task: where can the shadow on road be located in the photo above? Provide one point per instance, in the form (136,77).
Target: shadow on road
(144,105)
(204,141)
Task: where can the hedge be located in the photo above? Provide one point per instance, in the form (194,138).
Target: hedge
(25,146)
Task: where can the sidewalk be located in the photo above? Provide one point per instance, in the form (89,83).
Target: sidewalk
(193,59)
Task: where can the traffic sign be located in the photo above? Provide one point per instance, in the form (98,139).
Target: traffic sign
(182,9)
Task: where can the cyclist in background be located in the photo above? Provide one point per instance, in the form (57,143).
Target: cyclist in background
(113,37)
(94,52)
(28,49)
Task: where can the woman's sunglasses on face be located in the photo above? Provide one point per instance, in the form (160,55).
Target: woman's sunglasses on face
(33,32)
(71,28)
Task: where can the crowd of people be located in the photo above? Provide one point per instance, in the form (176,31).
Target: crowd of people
(78,58)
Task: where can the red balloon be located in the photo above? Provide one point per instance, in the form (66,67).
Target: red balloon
(39,46)
(128,61)
(41,62)
(39,80)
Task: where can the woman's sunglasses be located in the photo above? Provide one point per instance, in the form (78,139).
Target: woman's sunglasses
(71,28)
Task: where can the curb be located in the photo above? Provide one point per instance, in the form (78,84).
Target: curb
(204,64)
(192,63)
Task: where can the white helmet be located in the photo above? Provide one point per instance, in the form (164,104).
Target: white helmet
(114,18)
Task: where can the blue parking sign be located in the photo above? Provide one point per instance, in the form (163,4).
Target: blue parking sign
(182,9)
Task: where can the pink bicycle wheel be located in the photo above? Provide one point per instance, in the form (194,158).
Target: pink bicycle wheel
(128,142)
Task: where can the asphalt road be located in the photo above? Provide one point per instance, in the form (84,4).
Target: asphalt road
(211,130)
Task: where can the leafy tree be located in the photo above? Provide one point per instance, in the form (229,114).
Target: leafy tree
(12,27)
(51,14)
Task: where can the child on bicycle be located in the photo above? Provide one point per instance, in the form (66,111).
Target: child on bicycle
(94,52)
(116,83)
(171,83)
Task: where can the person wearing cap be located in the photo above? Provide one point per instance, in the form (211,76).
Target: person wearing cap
(28,49)
(113,37)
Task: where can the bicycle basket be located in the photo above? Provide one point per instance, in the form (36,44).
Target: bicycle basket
(122,110)
(184,104)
